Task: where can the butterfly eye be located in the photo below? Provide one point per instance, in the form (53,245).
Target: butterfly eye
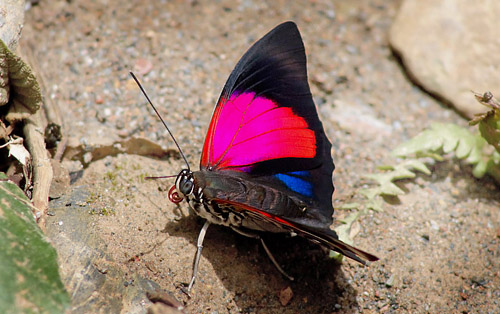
(186,187)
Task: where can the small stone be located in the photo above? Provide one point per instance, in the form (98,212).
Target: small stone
(285,295)
(128,282)
(87,157)
(330,14)
(390,282)
(99,100)
(143,66)
(463,295)
(434,225)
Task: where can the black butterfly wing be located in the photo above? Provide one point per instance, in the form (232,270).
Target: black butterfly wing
(265,124)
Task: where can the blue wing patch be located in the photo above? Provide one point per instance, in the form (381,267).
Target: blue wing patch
(297,181)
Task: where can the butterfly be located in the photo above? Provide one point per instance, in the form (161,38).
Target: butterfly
(266,163)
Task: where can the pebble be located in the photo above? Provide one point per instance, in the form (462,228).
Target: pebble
(285,295)
(434,225)
(390,282)
(143,66)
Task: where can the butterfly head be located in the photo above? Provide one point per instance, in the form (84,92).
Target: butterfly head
(184,184)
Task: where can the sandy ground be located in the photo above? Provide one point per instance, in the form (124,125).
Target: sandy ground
(439,243)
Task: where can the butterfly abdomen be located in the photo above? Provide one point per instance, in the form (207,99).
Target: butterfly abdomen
(213,212)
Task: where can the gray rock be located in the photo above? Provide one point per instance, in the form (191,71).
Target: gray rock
(11,21)
(95,282)
(450,47)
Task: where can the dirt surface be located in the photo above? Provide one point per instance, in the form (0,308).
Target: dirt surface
(438,244)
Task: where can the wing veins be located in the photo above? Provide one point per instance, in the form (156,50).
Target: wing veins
(234,135)
(273,64)
(270,131)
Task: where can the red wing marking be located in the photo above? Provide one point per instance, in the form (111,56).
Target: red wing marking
(247,129)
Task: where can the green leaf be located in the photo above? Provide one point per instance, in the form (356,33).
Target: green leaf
(493,166)
(398,172)
(349,206)
(404,170)
(417,165)
(18,86)
(490,129)
(432,155)
(480,169)
(446,137)
(344,230)
(349,220)
(370,193)
(30,280)
(375,204)
(344,233)
(386,186)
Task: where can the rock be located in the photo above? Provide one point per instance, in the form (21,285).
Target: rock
(160,308)
(60,180)
(93,279)
(164,303)
(11,21)
(285,295)
(450,48)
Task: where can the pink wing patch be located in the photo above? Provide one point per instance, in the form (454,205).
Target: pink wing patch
(246,129)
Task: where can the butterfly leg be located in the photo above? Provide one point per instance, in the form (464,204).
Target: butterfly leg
(269,254)
(197,257)
(271,257)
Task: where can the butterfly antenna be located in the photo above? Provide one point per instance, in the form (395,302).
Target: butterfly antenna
(161,177)
(161,119)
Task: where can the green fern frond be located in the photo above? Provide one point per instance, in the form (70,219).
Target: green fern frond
(404,170)
(443,138)
(374,201)
(446,138)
